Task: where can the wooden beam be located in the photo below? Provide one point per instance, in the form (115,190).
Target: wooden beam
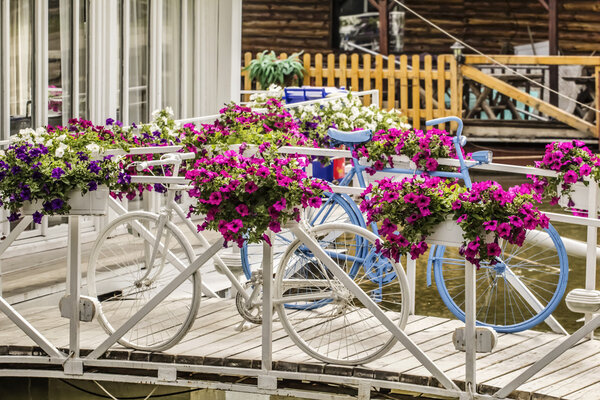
(548,60)
(553,48)
(382,8)
(540,105)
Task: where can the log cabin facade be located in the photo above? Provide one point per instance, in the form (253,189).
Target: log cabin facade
(493,27)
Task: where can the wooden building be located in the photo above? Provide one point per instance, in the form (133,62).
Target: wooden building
(492,27)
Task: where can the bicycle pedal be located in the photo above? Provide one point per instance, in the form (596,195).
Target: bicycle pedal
(243,326)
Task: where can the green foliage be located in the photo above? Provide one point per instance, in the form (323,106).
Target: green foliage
(267,69)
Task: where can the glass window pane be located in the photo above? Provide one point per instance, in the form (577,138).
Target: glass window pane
(21,18)
(138,62)
(171,55)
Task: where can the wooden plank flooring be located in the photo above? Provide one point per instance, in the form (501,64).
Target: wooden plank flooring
(216,338)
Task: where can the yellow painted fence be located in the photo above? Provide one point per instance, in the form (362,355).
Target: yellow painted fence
(424,88)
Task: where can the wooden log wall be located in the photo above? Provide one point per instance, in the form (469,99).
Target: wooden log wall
(294,25)
(489,25)
(286,25)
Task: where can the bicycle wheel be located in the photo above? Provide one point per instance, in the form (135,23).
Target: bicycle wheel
(323,317)
(123,278)
(517,293)
(335,208)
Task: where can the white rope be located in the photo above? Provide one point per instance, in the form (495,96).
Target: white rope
(151,393)
(492,59)
(105,391)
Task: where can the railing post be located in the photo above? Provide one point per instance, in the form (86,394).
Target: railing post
(592,240)
(265,381)
(73,262)
(470,338)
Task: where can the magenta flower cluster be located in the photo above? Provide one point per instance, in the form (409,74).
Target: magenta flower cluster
(487,214)
(408,211)
(422,147)
(572,161)
(242,197)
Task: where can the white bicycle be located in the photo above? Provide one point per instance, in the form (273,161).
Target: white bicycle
(144,272)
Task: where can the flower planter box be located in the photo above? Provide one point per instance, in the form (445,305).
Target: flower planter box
(400,162)
(91,203)
(579,195)
(447,233)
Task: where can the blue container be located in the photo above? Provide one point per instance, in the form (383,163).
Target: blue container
(322,172)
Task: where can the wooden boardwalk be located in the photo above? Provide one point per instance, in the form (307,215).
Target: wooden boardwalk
(216,340)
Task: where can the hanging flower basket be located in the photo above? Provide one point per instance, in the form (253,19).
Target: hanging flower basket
(447,233)
(426,210)
(241,197)
(577,199)
(91,203)
(572,162)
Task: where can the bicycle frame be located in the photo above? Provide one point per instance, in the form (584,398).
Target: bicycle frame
(165,215)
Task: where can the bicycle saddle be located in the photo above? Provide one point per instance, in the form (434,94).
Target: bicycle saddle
(350,138)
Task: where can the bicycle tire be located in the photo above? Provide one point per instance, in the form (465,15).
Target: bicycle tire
(334,326)
(505,309)
(118,276)
(336,208)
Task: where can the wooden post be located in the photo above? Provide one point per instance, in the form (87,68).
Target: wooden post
(391,81)
(382,7)
(597,102)
(553,47)
(307,73)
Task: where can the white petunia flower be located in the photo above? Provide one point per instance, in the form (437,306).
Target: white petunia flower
(61,137)
(94,148)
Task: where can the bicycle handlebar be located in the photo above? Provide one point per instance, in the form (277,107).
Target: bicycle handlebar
(171,158)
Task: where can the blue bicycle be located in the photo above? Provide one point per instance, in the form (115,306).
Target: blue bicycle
(517,293)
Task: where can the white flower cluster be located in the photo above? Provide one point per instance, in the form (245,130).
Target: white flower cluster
(349,113)
(259,99)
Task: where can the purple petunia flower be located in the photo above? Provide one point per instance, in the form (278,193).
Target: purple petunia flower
(57,173)
(235,225)
(250,187)
(490,225)
(92,185)
(493,249)
(109,121)
(571,177)
(410,198)
(281,204)
(13,217)
(314,202)
(504,230)
(37,217)
(585,170)
(94,167)
(275,226)
(242,209)
(215,198)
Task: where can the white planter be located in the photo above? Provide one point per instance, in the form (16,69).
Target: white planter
(400,162)
(91,203)
(447,233)
(579,195)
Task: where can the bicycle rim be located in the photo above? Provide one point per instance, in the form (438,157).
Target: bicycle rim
(323,317)
(120,277)
(539,268)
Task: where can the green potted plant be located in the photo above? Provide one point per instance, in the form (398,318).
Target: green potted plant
(268,69)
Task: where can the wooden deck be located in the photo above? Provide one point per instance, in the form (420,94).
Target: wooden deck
(215,340)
